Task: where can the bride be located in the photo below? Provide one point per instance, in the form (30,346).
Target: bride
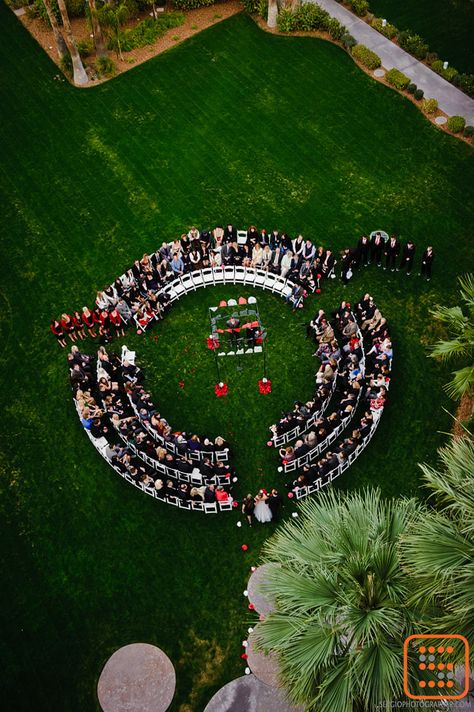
(262,512)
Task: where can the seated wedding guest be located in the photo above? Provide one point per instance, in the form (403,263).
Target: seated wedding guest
(177,265)
(222,495)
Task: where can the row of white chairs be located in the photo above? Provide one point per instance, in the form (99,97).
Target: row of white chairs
(102,447)
(305,427)
(329,477)
(196,455)
(211,276)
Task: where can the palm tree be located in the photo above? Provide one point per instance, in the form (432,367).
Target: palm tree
(460,327)
(113,16)
(79,73)
(100,48)
(439,551)
(340,597)
(59,39)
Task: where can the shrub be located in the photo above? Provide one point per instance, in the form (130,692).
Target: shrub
(468,131)
(412,43)
(389,30)
(66,65)
(466,84)
(191,4)
(430,106)
(456,124)
(348,40)
(366,57)
(259,7)
(411,88)
(312,17)
(450,73)
(419,94)
(335,29)
(146,32)
(286,20)
(431,57)
(85,47)
(105,67)
(397,79)
(360,7)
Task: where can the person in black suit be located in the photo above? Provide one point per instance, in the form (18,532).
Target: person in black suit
(408,256)
(376,247)
(228,252)
(362,251)
(346,262)
(274,265)
(327,263)
(230,234)
(392,250)
(426,263)
(275,503)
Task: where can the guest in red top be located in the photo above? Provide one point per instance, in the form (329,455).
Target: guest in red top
(88,320)
(58,331)
(78,325)
(116,321)
(222,495)
(68,326)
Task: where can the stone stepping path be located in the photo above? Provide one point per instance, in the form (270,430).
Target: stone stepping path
(248,694)
(450,99)
(265,667)
(137,678)
(261,602)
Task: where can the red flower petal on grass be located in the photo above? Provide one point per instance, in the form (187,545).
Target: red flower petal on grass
(290,495)
(244,656)
(318,291)
(251,607)
(244,547)
(235,503)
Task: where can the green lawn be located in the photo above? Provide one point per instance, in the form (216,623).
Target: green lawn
(234,124)
(447,26)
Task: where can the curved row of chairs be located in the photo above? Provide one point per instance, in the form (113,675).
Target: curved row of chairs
(103,447)
(323,481)
(320,447)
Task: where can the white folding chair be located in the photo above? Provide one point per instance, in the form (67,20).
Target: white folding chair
(218,274)
(229,273)
(239,275)
(225,506)
(241,237)
(187,282)
(208,276)
(197,277)
(260,277)
(210,507)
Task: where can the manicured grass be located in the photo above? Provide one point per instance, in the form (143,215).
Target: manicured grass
(235,124)
(447,26)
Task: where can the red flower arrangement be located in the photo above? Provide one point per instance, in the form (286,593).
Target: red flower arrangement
(244,656)
(251,607)
(221,389)
(244,547)
(264,386)
(235,503)
(290,495)
(181,384)
(212,343)
(318,291)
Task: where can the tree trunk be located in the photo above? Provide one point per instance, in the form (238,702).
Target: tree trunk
(80,76)
(59,39)
(99,43)
(295,4)
(272,13)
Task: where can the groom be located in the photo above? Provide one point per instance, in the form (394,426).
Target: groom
(275,502)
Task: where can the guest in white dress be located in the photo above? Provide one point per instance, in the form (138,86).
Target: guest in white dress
(262,511)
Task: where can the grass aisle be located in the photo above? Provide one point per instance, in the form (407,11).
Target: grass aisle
(234,124)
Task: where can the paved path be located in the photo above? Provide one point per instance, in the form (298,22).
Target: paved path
(248,694)
(137,678)
(450,99)
(259,599)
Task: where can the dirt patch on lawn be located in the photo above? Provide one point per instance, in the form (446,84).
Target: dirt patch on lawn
(196,20)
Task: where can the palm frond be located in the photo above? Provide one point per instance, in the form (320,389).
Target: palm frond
(461,383)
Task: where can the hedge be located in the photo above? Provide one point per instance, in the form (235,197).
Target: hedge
(450,73)
(366,57)
(397,79)
(191,4)
(389,30)
(456,124)
(429,106)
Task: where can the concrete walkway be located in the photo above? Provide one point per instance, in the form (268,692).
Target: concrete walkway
(450,99)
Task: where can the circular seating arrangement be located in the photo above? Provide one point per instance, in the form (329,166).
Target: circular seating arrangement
(182,465)
(138,677)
